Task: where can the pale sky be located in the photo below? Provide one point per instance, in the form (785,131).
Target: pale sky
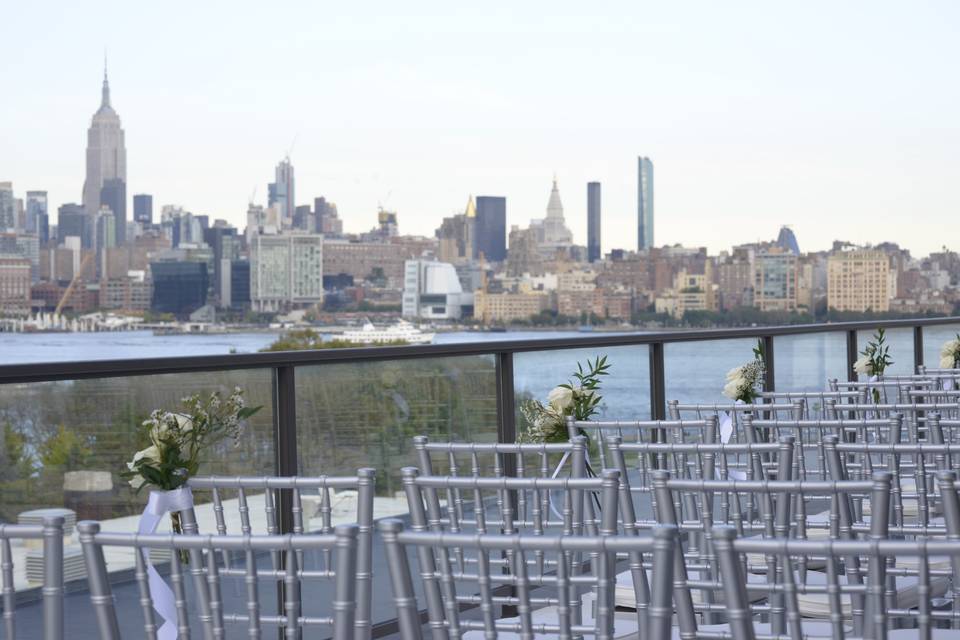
(838,118)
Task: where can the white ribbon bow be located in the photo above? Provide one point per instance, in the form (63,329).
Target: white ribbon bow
(726,425)
(160,504)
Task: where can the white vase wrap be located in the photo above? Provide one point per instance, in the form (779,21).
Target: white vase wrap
(160,504)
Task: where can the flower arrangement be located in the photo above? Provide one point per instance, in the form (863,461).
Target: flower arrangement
(578,399)
(950,354)
(178,439)
(743,382)
(874,359)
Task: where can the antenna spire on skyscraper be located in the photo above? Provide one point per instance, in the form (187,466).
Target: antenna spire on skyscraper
(105,96)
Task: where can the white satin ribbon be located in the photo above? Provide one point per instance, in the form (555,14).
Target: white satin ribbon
(948,384)
(160,504)
(726,425)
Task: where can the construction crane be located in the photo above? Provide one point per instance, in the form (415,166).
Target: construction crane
(73,283)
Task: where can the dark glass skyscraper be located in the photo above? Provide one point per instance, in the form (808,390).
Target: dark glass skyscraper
(491,228)
(72,220)
(113,194)
(593,222)
(143,208)
(644,203)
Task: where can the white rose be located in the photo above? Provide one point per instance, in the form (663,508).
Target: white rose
(732,388)
(863,366)
(560,398)
(137,481)
(184,423)
(734,373)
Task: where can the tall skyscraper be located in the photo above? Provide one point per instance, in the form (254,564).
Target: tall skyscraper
(113,194)
(593,222)
(644,204)
(281,191)
(37,215)
(106,153)
(490,231)
(8,210)
(74,221)
(554,231)
(143,208)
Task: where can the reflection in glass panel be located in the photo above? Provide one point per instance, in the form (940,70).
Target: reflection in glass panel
(625,391)
(805,362)
(64,444)
(933,339)
(901,349)
(366,414)
(696,371)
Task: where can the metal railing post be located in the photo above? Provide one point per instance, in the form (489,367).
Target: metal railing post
(769,377)
(917,348)
(506,401)
(852,353)
(658,391)
(285,443)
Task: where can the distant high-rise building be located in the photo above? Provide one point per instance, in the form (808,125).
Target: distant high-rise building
(285,271)
(113,194)
(859,280)
(8,210)
(787,241)
(555,231)
(644,204)
(73,221)
(303,218)
(106,152)
(593,221)
(179,286)
(281,191)
(455,242)
(490,229)
(325,218)
(38,215)
(143,209)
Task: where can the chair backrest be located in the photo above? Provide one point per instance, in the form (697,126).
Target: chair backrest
(814,402)
(873,610)
(646,431)
(914,413)
(51,533)
(204,567)
(889,389)
(733,413)
(541,609)
(315,501)
(500,460)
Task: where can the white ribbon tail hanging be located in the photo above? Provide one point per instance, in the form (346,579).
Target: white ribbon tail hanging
(160,504)
(726,425)
(948,384)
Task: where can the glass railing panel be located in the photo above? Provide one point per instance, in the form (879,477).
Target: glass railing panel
(366,414)
(695,372)
(934,338)
(901,349)
(625,390)
(805,362)
(64,445)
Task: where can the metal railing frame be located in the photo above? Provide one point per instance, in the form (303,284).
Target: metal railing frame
(285,364)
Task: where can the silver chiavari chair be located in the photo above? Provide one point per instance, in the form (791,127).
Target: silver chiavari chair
(645,431)
(730,415)
(914,413)
(783,505)
(492,505)
(320,494)
(861,610)
(204,568)
(50,532)
(814,402)
(542,610)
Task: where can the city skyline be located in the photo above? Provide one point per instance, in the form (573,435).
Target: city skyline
(832,160)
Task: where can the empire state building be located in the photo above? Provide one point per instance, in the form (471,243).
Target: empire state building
(106,163)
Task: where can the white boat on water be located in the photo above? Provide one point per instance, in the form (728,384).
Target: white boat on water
(402,330)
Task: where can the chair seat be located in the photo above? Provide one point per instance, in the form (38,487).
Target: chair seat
(815,605)
(624,594)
